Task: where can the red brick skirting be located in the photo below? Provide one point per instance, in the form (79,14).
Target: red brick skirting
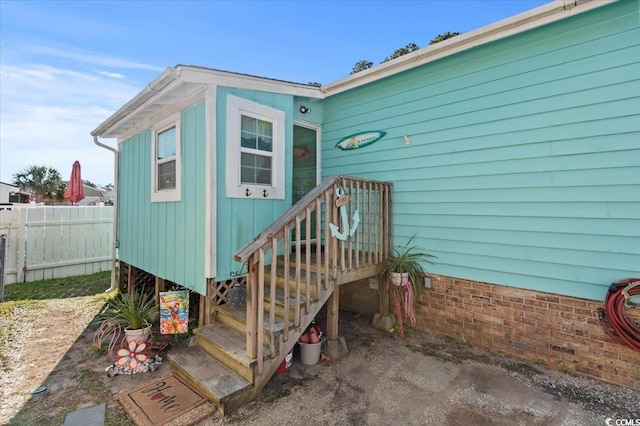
(561,331)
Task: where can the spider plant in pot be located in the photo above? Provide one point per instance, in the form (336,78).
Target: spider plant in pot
(405,279)
(135,312)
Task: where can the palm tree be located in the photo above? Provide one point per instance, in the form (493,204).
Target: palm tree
(44,182)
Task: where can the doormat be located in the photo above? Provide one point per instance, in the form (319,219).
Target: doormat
(165,401)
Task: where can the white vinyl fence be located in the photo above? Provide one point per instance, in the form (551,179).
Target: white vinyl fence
(56,242)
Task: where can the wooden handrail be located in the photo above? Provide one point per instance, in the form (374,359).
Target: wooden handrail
(297,209)
(336,261)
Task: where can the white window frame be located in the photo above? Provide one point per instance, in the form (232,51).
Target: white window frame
(166,195)
(237,107)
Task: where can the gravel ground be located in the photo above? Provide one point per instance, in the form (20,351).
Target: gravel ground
(426,379)
(423,379)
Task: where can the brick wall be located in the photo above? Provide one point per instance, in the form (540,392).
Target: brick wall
(560,331)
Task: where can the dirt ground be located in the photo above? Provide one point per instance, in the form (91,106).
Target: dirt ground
(421,380)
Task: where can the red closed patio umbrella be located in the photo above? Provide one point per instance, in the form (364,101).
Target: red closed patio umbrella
(75,188)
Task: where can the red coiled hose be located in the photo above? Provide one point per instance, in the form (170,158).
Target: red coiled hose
(613,319)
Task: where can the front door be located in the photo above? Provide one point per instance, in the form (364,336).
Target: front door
(306,164)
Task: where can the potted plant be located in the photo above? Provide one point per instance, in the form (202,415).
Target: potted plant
(135,312)
(405,279)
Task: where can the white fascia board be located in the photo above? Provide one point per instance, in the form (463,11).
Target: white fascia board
(242,81)
(554,11)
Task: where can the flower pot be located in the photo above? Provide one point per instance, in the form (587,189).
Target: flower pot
(140,335)
(399,279)
(310,352)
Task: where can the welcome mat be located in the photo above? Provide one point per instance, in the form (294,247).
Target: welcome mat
(165,401)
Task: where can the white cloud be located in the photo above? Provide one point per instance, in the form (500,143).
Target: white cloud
(47,114)
(110,74)
(86,56)
(52,96)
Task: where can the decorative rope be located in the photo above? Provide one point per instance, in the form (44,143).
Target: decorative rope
(403,306)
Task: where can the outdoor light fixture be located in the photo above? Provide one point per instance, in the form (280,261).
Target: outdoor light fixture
(304,109)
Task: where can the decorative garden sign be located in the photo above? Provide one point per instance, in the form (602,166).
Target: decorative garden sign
(174,312)
(359,140)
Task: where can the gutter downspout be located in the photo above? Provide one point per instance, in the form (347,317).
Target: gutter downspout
(114,281)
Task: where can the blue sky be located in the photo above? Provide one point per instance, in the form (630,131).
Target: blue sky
(66,66)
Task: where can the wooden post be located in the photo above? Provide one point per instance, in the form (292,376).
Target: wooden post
(131,279)
(252,307)
(333,242)
(121,277)
(333,309)
(159,288)
(388,214)
(383,319)
(203,317)
(383,289)
(259,307)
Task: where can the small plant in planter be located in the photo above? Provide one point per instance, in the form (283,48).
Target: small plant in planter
(405,278)
(135,312)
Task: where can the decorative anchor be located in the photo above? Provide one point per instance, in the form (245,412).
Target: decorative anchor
(341,201)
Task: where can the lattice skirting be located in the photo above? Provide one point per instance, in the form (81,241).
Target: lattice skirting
(231,291)
(134,279)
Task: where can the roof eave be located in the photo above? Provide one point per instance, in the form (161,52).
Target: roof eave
(232,79)
(173,77)
(168,76)
(555,11)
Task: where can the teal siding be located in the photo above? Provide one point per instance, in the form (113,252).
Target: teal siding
(523,165)
(240,220)
(165,239)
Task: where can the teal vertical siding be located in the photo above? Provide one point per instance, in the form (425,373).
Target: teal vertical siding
(240,220)
(166,239)
(523,167)
(315,114)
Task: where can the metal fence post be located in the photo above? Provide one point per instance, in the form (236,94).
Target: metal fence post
(3,263)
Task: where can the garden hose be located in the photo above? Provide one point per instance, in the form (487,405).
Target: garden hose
(613,318)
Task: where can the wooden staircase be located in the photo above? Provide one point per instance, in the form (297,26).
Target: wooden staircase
(288,282)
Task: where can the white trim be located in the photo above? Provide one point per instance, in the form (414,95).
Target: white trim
(166,195)
(234,188)
(203,75)
(172,80)
(210,261)
(168,76)
(543,15)
(171,110)
(318,129)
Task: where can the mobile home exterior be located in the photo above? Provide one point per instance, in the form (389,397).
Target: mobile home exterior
(516,163)
(513,154)
(188,232)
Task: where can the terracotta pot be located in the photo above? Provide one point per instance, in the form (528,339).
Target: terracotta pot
(399,279)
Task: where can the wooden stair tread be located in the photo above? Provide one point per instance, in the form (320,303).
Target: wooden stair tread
(231,341)
(211,375)
(280,296)
(303,261)
(292,274)
(240,312)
